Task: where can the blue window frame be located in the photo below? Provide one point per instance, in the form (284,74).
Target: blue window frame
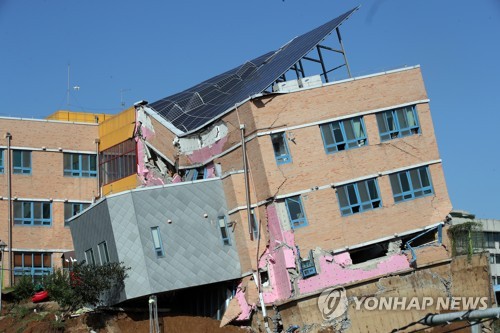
(359,197)
(71,209)
(343,134)
(157,243)
(307,266)
(80,165)
(22,162)
(296,212)
(34,264)
(280,147)
(411,184)
(32,213)
(223,230)
(1,161)
(398,123)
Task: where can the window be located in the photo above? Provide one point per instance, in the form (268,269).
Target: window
(497,258)
(494,278)
(223,230)
(1,161)
(89,257)
(103,252)
(118,162)
(157,243)
(358,197)
(411,184)
(343,134)
(80,165)
(71,209)
(34,264)
(254,225)
(22,162)
(398,123)
(492,258)
(32,213)
(280,146)
(489,240)
(307,266)
(295,212)
(195,174)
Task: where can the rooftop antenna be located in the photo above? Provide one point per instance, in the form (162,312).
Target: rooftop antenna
(122,102)
(67,90)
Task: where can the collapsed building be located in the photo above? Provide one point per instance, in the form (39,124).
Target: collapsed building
(267,184)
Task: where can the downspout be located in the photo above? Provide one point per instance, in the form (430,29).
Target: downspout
(247,186)
(98,167)
(247,195)
(8,136)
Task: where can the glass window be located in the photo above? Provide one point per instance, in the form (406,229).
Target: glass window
(280,146)
(89,257)
(343,134)
(118,162)
(103,252)
(1,161)
(411,184)
(32,213)
(359,197)
(157,243)
(398,123)
(296,212)
(80,165)
(22,162)
(35,264)
(223,230)
(71,209)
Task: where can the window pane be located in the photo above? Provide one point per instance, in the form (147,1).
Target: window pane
(415,180)
(351,194)
(67,161)
(396,187)
(349,130)
(424,177)
(401,118)
(327,134)
(405,185)
(342,197)
(294,208)
(410,116)
(28,260)
(156,238)
(363,193)
(46,211)
(27,209)
(372,188)
(17,158)
(37,262)
(382,127)
(278,144)
(337,132)
(38,210)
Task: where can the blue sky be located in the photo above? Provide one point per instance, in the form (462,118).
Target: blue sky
(132,50)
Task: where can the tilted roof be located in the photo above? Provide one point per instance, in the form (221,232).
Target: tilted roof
(197,106)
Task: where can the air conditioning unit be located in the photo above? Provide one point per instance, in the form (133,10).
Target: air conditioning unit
(286,86)
(311,82)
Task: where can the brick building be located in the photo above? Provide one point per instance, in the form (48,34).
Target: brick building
(326,182)
(267,184)
(53,177)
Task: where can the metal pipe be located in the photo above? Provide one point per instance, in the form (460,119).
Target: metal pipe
(247,187)
(8,136)
(343,52)
(98,168)
(474,315)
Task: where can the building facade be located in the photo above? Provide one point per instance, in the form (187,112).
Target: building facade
(53,167)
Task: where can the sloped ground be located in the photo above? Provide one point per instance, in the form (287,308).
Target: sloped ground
(28,318)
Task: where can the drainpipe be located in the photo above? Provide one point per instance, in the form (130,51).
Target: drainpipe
(8,136)
(247,186)
(98,168)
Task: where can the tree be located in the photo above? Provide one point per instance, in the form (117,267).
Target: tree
(86,285)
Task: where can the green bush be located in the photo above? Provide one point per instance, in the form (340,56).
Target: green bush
(24,288)
(85,285)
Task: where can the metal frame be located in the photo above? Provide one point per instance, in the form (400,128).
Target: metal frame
(359,202)
(302,221)
(358,142)
(410,194)
(298,67)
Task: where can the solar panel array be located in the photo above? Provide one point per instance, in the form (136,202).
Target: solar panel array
(197,106)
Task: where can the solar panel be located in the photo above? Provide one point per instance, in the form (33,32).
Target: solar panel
(197,106)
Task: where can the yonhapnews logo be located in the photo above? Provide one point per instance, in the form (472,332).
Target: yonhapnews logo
(333,303)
